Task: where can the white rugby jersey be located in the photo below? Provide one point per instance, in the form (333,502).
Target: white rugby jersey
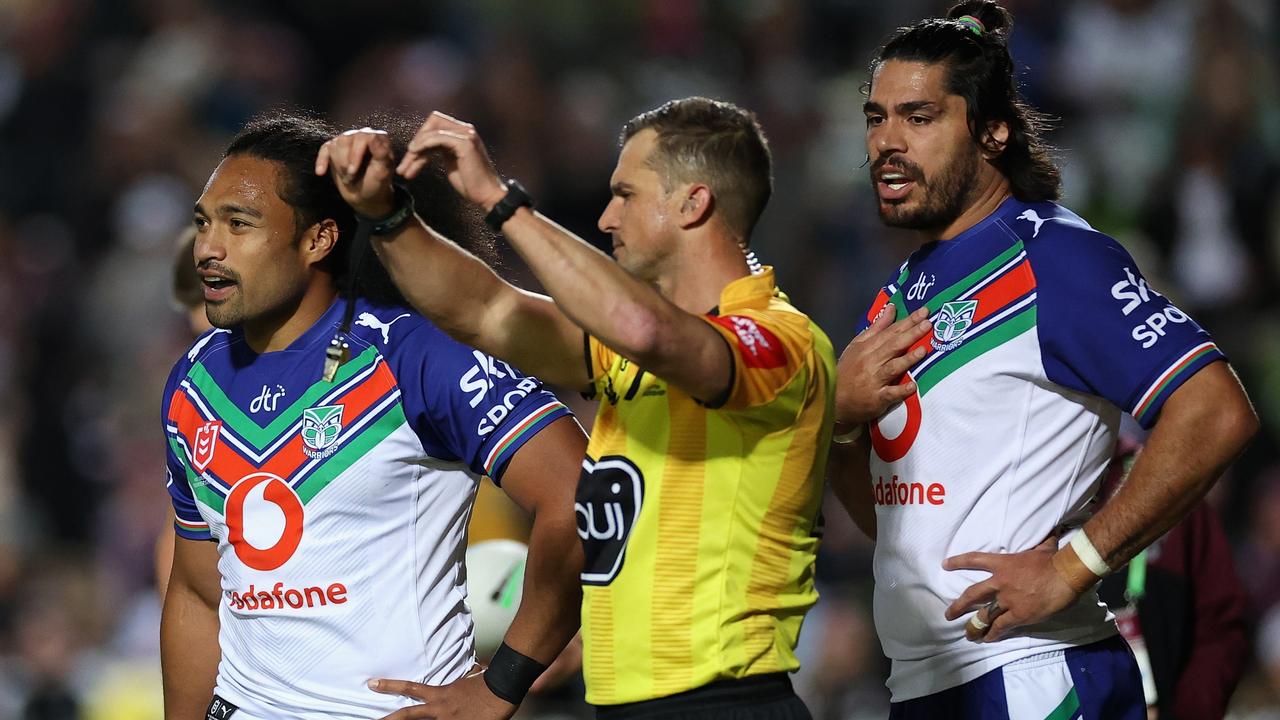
(1044,332)
(340,509)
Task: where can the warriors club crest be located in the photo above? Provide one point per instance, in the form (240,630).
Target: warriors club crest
(954,319)
(320,429)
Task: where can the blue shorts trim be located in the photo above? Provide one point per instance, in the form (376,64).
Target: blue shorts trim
(1099,681)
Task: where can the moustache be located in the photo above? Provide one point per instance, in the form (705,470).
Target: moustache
(217,268)
(906,167)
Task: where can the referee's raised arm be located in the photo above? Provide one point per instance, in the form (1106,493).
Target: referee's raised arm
(449,285)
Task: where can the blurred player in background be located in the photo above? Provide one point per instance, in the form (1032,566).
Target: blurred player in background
(1182,608)
(188,298)
(1043,333)
(338,485)
(698,504)
(187,288)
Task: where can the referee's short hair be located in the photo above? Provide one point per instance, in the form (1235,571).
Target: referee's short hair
(712,142)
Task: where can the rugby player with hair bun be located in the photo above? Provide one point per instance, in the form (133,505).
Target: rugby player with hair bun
(980,487)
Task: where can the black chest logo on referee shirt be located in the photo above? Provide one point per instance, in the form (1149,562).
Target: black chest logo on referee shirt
(610,493)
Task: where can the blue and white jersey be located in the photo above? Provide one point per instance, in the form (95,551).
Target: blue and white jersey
(1045,331)
(340,508)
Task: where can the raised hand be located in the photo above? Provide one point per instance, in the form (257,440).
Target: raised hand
(458,146)
(363,165)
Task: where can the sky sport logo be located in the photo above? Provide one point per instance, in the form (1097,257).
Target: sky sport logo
(905,493)
(282,598)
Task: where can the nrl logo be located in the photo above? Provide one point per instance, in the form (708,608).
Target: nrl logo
(954,319)
(206,441)
(320,428)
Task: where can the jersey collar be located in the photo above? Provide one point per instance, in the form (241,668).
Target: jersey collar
(749,291)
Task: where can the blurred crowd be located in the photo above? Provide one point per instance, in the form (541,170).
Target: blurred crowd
(113,113)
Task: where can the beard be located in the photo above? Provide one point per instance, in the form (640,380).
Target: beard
(226,314)
(940,200)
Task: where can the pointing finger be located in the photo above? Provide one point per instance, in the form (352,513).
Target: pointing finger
(418,691)
(972,561)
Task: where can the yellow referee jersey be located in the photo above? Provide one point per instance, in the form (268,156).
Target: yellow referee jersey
(699,523)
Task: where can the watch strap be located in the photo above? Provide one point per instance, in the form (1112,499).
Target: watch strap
(502,211)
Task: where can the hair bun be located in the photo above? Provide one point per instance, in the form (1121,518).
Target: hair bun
(993,17)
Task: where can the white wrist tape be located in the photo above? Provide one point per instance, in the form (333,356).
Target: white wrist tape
(1089,555)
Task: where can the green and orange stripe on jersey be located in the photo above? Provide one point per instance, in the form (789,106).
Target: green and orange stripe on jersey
(191,527)
(1181,369)
(1002,288)
(516,435)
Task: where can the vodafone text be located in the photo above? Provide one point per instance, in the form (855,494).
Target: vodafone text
(286,599)
(908,493)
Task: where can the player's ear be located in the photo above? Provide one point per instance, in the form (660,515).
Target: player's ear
(696,206)
(319,240)
(995,138)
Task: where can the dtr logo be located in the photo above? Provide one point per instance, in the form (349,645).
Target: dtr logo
(264,521)
(920,288)
(267,399)
(610,494)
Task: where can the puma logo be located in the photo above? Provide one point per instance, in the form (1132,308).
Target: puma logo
(1032,216)
(371,321)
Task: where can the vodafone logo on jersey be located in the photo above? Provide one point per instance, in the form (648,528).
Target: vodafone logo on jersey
(896,492)
(761,348)
(264,521)
(906,416)
(280,597)
(206,441)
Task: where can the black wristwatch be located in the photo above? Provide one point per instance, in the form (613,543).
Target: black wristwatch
(515,199)
(390,223)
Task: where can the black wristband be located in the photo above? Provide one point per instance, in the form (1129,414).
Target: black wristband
(510,674)
(397,218)
(515,199)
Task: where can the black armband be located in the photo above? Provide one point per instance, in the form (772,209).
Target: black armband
(397,218)
(510,674)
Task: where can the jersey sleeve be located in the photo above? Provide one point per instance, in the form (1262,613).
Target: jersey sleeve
(1105,331)
(479,408)
(187,521)
(599,360)
(768,348)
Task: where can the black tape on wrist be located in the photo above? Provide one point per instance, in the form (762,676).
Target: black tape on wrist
(398,218)
(510,674)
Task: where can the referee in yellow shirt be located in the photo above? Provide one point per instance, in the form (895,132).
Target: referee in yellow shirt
(699,500)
